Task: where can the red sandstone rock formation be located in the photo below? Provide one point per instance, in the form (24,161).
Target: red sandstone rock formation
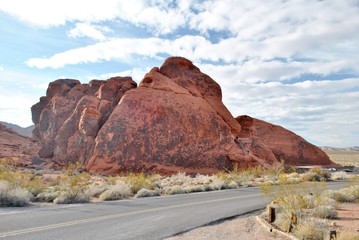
(285,145)
(14,145)
(173,121)
(68,119)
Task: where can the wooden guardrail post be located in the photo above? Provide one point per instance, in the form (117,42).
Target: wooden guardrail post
(271,214)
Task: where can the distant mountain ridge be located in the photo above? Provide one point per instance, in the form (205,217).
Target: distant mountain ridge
(27,132)
(336,149)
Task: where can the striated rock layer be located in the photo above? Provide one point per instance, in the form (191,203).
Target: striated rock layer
(173,121)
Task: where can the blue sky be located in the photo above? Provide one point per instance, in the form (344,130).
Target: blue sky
(292,63)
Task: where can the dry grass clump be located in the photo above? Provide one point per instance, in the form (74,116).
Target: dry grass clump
(315,175)
(13,197)
(72,196)
(95,189)
(339,175)
(310,229)
(144,192)
(325,212)
(346,195)
(250,176)
(120,190)
(181,183)
(48,195)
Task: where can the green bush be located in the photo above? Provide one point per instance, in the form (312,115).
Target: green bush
(140,180)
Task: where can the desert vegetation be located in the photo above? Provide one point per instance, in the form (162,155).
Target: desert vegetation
(19,187)
(304,209)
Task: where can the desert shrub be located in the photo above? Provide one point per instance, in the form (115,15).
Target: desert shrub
(143,192)
(72,196)
(291,178)
(9,162)
(26,180)
(324,175)
(74,186)
(175,190)
(310,177)
(96,189)
(340,196)
(339,175)
(48,195)
(140,180)
(310,229)
(345,235)
(325,212)
(282,221)
(119,191)
(194,188)
(13,197)
(248,177)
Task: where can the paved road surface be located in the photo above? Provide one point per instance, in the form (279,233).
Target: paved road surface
(146,218)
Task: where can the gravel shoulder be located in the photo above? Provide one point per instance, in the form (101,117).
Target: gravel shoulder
(246,227)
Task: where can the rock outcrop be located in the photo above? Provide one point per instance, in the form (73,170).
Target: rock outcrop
(23,150)
(68,119)
(173,121)
(285,145)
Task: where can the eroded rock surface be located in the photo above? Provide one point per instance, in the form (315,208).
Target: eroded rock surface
(285,145)
(22,149)
(173,121)
(69,117)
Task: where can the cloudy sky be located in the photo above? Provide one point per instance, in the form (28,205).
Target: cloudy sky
(292,63)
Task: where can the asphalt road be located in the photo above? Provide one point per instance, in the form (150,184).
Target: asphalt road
(146,218)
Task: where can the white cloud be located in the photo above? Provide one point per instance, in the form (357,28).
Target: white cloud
(119,49)
(137,74)
(259,45)
(321,111)
(158,15)
(87,30)
(54,13)
(1,68)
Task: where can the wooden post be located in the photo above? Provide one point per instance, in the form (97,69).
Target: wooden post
(293,221)
(330,234)
(271,214)
(293,218)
